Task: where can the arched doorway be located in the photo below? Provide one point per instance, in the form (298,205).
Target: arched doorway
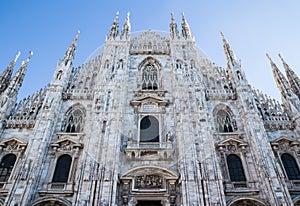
(149,186)
(51,201)
(247,202)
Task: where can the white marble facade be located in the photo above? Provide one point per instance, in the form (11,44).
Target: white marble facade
(149,120)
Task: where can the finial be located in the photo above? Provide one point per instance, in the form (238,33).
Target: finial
(186,31)
(173,28)
(268,56)
(28,58)
(126,28)
(117,16)
(114,30)
(77,33)
(222,34)
(17,56)
(282,59)
(30,55)
(76,37)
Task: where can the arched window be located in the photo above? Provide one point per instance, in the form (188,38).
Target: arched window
(150,77)
(106,64)
(6,166)
(149,129)
(178,64)
(62,169)
(74,121)
(224,122)
(290,166)
(235,168)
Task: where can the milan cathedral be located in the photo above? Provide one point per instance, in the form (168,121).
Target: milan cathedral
(149,120)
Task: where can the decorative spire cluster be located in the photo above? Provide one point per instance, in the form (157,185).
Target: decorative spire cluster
(25,112)
(289,96)
(280,79)
(9,94)
(126,27)
(292,77)
(185,28)
(70,53)
(5,77)
(114,30)
(186,31)
(18,78)
(272,112)
(230,56)
(173,28)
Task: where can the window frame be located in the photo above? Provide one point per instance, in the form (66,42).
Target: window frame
(156,83)
(56,166)
(228,120)
(242,168)
(159,128)
(7,179)
(285,169)
(73,127)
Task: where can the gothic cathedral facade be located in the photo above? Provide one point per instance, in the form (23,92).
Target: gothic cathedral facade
(149,120)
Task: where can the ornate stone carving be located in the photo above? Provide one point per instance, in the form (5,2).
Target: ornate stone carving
(273,113)
(66,145)
(148,182)
(284,144)
(13,145)
(25,112)
(149,42)
(232,145)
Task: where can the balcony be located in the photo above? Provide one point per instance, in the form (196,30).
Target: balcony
(61,188)
(233,188)
(5,187)
(149,150)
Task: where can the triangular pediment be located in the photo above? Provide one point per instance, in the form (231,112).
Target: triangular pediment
(284,139)
(13,140)
(149,99)
(13,144)
(66,141)
(232,140)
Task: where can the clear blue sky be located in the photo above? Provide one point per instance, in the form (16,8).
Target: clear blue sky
(252,29)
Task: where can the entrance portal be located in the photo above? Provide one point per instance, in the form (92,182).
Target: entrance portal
(149,203)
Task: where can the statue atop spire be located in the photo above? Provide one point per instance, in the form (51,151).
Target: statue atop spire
(173,28)
(70,53)
(292,77)
(6,74)
(280,79)
(126,27)
(9,96)
(289,98)
(18,78)
(114,30)
(186,31)
(231,59)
